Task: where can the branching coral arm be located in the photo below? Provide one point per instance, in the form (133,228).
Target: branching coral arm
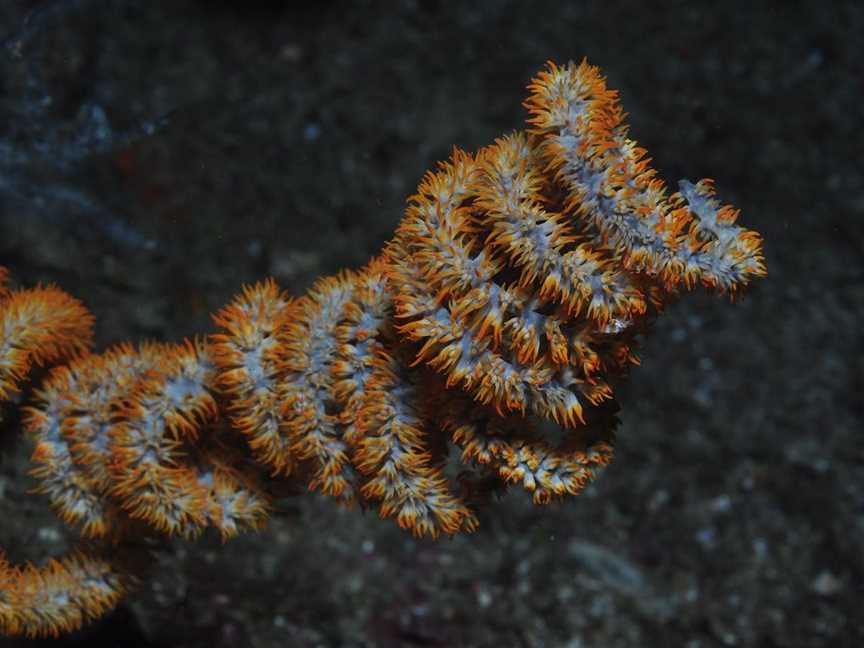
(498,320)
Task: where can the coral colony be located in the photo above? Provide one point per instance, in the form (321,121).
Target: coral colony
(494,324)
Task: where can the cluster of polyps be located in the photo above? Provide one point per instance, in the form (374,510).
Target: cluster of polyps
(507,304)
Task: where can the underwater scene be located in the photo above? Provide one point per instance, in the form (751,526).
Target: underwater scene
(425,324)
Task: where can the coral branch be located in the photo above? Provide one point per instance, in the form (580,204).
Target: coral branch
(60,596)
(38,326)
(497,321)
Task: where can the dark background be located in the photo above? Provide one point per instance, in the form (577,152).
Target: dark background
(154,156)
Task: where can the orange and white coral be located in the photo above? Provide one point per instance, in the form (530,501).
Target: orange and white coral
(496,322)
(119,435)
(38,326)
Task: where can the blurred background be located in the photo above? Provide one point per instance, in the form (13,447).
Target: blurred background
(155,156)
